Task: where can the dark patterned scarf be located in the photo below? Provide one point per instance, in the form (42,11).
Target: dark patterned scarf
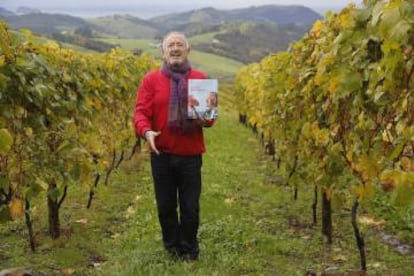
(178,121)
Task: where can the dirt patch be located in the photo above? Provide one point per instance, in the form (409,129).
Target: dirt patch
(398,245)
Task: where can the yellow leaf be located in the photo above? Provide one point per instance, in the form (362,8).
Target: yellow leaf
(89,102)
(369,190)
(319,78)
(322,137)
(28,131)
(345,20)
(333,85)
(16,208)
(349,155)
(6,140)
(387,136)
(407,164)
(306,130)
(315,128)
(367,166)
(317,28)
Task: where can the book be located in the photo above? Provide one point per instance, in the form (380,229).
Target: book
(202,99)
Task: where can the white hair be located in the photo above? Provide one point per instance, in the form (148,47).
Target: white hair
(187,44)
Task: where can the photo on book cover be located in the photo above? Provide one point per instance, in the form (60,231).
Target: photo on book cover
(202,99)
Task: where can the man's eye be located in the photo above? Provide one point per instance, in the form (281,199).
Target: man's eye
(175,44)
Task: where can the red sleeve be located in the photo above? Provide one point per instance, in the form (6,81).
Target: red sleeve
(143,107)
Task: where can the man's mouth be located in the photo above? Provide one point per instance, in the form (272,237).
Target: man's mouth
(175,54)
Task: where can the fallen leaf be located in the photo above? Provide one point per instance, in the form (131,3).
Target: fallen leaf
(83,221)
(131,210)
(339,259)
(376,265)
(66,271)
(371,221)
(307,237)
(96,264)
(229,200)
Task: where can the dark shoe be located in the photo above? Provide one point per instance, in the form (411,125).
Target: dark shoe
(189,258)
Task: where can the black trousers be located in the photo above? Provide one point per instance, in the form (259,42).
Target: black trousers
(177,179)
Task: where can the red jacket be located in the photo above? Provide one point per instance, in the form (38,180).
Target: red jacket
(151,113)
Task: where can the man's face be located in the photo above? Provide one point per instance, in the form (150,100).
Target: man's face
(175,51)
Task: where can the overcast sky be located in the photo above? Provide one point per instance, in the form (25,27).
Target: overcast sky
(162,6)
(216,3)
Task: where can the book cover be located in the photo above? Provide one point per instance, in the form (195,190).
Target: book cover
(202,99)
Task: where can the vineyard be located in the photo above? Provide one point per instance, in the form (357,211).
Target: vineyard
(323,159)
(337,109)
(64,120)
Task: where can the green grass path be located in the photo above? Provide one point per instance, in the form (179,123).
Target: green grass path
(248,226)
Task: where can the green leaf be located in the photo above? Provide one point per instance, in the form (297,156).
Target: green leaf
(53,194)
(42,184)
(6,140)
(377,13)
(400,31)
(351,81)
(390,19)
(33,190)
(4,183)
(27,34)
(397,151)
(4,213)
(75,173)
(403,195)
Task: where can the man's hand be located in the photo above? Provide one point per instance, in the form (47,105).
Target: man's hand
(150,137)
(205,122)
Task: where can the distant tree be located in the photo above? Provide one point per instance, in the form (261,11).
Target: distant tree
(137,52)
(83,31)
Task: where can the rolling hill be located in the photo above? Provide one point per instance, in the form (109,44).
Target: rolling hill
(281,15)
(246,35)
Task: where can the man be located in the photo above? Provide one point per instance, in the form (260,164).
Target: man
(176,144)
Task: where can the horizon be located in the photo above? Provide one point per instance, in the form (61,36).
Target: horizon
(148,11)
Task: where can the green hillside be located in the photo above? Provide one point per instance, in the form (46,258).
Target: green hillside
(212,64)
(203,38)
(124,26)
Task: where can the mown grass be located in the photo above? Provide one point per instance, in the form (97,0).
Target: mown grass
(250,225)
(82,231)
(202,38)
